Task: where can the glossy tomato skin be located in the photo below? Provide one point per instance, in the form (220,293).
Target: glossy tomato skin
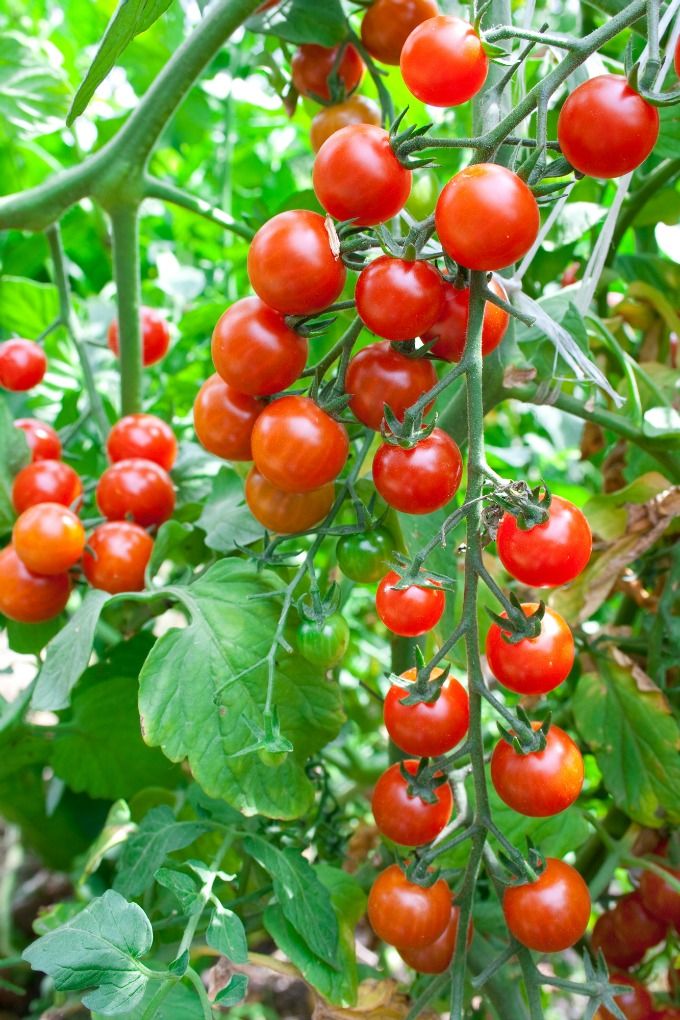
(297,446)
(120,552)
(422,479)
(291,266)
(286,512)
(142,435)
(224,419)
(324,645)
(42,439)
(534,665)
(364,557)
(450,329)
(398,299)
(635,1004)
(138,489)
(550,914)
(357,177)
(379,375)
(48,538)
(605,129)
(635,925)
(26,597)
(407,915)
(616,951)
(409,821)
(667,1013)
(486,193)
(22,365)
(427,729)
(541,783)
(254,350)
(436,958)
(410,611)
(155,336)
(387,24)
(550,554)
(355,110)
(658,897)
(46,481)
(443,62)
(312,66)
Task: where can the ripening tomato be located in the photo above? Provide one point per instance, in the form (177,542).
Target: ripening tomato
(605,129)
(46,481)
(224,419)
(355,110)
(138,489)
(399,299)
(533,665)
(635,925)
(486,217)
(22,365)
(617,952)
(142,435)
(450,329)
(43,441)
(428,728)
(297,446)
(291,265)
(379,375)
(364,557)
(541,783)
(443,62)
(667,1013)
(255,351)
(324,645)
(313,65)
(658,897)
(405,819)
(635,1004)
(116,557)
(357,177)
(155,335)
(407,915)
(422,479)
(550,554)
(387,25)
(27,597)
(48,538)
(550,914)
(409,611)
(436,958)
(286,512)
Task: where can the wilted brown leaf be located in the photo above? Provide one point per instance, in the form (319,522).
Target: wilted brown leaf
(377,1000)
(516,376)
(592,440)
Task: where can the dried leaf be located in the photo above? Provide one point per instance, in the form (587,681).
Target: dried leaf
(514,375)
(377,1000)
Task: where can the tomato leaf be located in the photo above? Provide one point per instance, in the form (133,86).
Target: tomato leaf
(26,307)
(225,518)
(158,835)
(14,454)
(303,21)
(227,934)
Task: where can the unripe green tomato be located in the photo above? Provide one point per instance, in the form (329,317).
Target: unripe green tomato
(424,194)
(273,759)
(365,557)
(323,645)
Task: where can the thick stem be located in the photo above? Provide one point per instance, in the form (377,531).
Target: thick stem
(154,188)
(126,268)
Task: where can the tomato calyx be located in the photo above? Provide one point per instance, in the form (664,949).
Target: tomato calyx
(268,737)
(427,686)
(317,608)
(529,506)
(515,625)
(530,738)
(421,873)
(399,141)
(424,782)
(409,432)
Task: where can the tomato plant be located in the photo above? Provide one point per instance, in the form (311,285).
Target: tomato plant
(27,597)
(355,110)
(286,512)
(436,957)
(48,538)
(380,375)
(364,556)
(138,489)
(43,441)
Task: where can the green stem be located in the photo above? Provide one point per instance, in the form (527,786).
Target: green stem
(154,188)
(162,992)
(126,267)
(202,994)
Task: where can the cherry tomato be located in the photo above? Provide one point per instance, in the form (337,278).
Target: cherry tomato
(635,1004)
(667,1013)
(658,897)
(428,728)
(550,554)
(42,439)
(407,915)
(255,351)
(323,645)
(486,194)
(297,446)
(224,419)
(155,335)
(409,611)
(27,597)
(605,129)
(443,62)
(409,820)
(364,557)
(550,914)
(46,481)
(398,299)
(422,479)
(286,512)
(379,375)
(357,177)
(48,538)
(541,783)
(355,110)
(291,265)
(617,952)
(451,327)
(436,958)
(116,557)
(534,665)
(424,194)
(635,925)
(138,489)
(312,66)
(387,25)
(22,365)
(142,435)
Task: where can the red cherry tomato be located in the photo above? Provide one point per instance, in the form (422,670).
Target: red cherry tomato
(550,914)
(486,194)
(379,375)
(541,783)
(22,365)
(398,299)
(409,820)
(42,439)
(407,915)
(667,1013)
(142,435)
(224,419)
(443,62)
(286,512)
(155,335)
(658,897)
(422,479)
(605,129)
(27,597)
(357,177)
(635,925)
(291,265)
(534,665)
(46,481)
(48,538)
(409,611)
(355,110)
(635,1004)
(427,728)
(550,554)
(117,556)
(297,446)
(138,489)
(617,952)
(450,329)
(436,958)
(312,66)
(387,25)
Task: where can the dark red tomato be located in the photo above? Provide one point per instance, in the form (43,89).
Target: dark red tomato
(46,481)
(42,439)
(291,265)
(407,915)
(409,611)
(387,25)
(116,557)
(422,479)
(667,1013)
(409,821)
(22,365)
(542,783)
(27,597)
(224,419)
(550,914)
(48,538)
(635,925)
(436,958)
(325,644)
(137,489)
(658,897)
(379,375)
(550,554)
(357,177)
(355,110)
(365,555)
(534,665)
(142,435)
(155,335)
(286,512)
(429,728)
(486,194)
(605,129)
(635,1004)
(297,446)
(451,326)
(443,62)
(616,951)
(398,299)
(312,65)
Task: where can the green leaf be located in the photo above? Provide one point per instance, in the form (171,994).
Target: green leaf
(607,513)
(180,1003)
(225,518)
(234,991)
(53,917)
(117,828)
(27,308)
(574,222)
(34,90)
(555,836)
(172,537)
(183,886)
(14,454)
(304,21)
(68,654)
(227,934)
(158,835)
